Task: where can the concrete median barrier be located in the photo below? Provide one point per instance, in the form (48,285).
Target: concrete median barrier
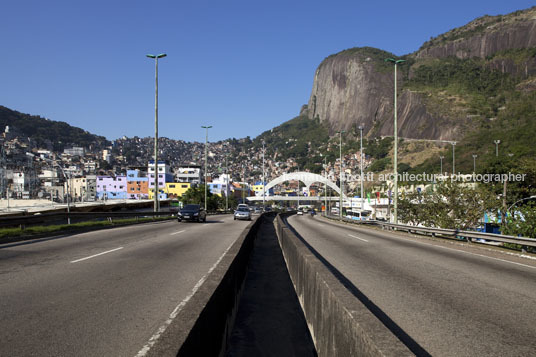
(202,327)
(340,324)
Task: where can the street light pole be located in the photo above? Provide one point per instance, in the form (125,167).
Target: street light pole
(156,191)
(340,174)
(395,163)
(298,188)
(226,186)
(474,162)
(361,127)
(206,153)
(453,158)
(325,187)
(68,202)
(263,178)
(244,184)
(497,142)
(441,163)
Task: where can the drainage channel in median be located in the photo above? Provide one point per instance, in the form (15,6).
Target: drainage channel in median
(269,320)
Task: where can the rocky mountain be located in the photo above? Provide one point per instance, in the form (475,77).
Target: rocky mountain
(484,37)
(356,86)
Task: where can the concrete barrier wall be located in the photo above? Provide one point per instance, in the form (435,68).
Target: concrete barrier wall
(339,323)
(204,324)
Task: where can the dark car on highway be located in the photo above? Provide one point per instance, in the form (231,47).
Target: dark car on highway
(194,213)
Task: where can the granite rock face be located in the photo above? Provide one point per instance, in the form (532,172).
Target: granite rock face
(356,86)
(484,37)
(348,91)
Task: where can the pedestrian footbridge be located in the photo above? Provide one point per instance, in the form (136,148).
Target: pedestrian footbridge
(307,178)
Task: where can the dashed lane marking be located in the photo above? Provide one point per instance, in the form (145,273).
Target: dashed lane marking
(143,352)
(364,240)
(96,255)
(172,234)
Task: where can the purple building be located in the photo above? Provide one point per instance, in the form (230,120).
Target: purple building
(111,188)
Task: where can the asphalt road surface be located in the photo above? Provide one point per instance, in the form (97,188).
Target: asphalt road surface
(452,299)
(104,293)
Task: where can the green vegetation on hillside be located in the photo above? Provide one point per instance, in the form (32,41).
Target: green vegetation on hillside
(501,113)
(43,131)
(498,110)
(484,90)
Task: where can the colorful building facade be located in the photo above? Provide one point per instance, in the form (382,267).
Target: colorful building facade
(110,188)
(176,189)
(137,185)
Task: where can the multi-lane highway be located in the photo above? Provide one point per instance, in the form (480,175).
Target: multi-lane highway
(453,300)
(104,293)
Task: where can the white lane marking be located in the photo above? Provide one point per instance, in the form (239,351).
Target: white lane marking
(171,234)
(475,254)
(521,255)
(96,255)
(175,312)
(364,240)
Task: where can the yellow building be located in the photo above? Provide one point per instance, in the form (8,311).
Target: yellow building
(162,195)
(176,189)
(258,188)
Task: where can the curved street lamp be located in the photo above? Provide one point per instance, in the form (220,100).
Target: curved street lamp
(523,199)
(497,142)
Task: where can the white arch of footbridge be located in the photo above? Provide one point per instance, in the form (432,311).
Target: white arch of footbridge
(306,177)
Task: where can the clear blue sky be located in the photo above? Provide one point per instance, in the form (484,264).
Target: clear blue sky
(241,66)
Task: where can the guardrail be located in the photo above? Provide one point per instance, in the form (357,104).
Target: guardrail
(48,218)
(443,232)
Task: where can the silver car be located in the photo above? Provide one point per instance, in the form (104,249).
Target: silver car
(242,213)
